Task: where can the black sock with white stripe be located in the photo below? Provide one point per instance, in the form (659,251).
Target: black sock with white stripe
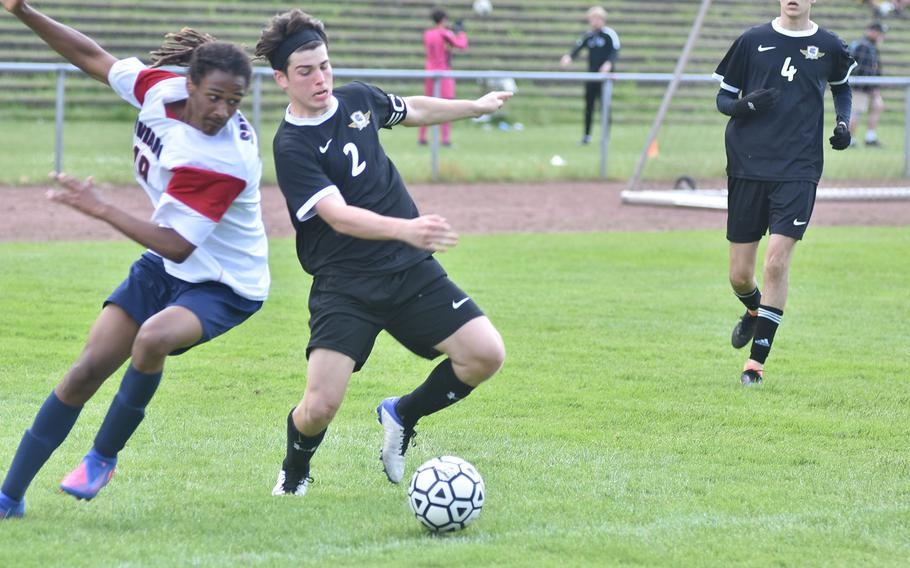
(750,300)
(768,320)
(300,448)
(441,389)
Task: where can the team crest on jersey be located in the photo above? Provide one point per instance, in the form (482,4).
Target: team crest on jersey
(812,52)
(361,119)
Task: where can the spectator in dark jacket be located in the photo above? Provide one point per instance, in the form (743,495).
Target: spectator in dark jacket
(868,98)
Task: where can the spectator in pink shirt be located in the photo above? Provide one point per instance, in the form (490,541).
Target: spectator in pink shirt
(438,42)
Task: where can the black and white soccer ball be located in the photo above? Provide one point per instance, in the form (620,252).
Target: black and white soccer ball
(446,494)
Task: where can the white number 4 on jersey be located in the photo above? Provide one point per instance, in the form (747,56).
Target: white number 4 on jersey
(788,70)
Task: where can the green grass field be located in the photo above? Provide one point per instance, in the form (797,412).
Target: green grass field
(616,434)
(101,149)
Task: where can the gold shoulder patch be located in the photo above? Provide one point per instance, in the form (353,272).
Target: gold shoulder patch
(812,52)
(360,119)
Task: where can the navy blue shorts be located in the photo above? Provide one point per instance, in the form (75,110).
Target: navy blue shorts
(149,289)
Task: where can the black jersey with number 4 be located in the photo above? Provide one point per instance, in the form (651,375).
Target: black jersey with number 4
(785,143)
(339,153)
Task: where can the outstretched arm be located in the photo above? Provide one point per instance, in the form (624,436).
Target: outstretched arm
(427,232)
(82,196)
(78,49)
(426,111)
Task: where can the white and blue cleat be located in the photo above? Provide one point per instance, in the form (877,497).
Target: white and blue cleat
(396,439)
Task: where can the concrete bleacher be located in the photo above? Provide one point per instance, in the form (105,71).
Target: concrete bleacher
(527,35)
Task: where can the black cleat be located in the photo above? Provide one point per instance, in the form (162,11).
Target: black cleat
(751,377)
(744,330)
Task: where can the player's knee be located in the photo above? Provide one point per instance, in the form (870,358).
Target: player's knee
(150,347)
(776,266)
(321,411)
(487,359)
(739,279)
(80,383)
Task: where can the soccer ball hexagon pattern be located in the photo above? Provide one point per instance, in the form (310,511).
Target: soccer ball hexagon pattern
(446,494)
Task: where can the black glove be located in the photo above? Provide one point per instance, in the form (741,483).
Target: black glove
(756,103)
(841,138)
(458,27)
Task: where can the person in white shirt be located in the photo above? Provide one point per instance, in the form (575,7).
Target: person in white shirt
(206,269)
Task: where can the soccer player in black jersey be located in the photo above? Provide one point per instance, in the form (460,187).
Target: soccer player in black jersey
(370,252)
(602,44)
(775,154)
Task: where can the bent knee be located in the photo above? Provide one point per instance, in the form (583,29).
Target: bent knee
(484,362)
(80,383)
(742,276)
(152,343)
(321,411)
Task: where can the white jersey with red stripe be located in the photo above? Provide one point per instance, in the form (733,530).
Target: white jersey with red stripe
(204,187)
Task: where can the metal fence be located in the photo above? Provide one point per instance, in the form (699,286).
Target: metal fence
(606,80)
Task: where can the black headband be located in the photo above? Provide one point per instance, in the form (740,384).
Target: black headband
(292,43)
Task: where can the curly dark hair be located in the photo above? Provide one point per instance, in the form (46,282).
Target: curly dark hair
(283,25)
(202,54)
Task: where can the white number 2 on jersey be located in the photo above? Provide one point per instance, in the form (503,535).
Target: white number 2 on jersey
(788,70)
(357,166)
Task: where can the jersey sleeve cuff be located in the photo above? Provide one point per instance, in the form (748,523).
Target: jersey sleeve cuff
(308,210)
(122,77)
(187,222)
(724,85)
(844,80)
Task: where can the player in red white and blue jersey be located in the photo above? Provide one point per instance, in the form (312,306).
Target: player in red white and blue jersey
(773,83)
(206,270)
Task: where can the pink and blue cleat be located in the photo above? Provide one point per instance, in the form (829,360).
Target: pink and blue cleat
(10,509)
(93,473)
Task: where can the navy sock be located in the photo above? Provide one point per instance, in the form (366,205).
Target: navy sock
(750,300)
(441,389)
(51,426)
(765,328)
(300,448)
(126,412)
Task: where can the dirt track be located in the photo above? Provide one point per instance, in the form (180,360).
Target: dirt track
(474,208)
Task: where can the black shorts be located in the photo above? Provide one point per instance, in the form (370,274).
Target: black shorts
(754,207)
(419,307)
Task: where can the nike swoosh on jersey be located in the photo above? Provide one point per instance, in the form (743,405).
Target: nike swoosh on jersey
(459,303)
(762,49)
(324,149)
(797,222)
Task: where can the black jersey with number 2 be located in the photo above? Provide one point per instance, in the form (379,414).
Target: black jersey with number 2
(785,143)
(339,153)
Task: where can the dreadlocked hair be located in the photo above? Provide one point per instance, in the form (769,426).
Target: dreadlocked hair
(202,54)
(178,48)
(284,25)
